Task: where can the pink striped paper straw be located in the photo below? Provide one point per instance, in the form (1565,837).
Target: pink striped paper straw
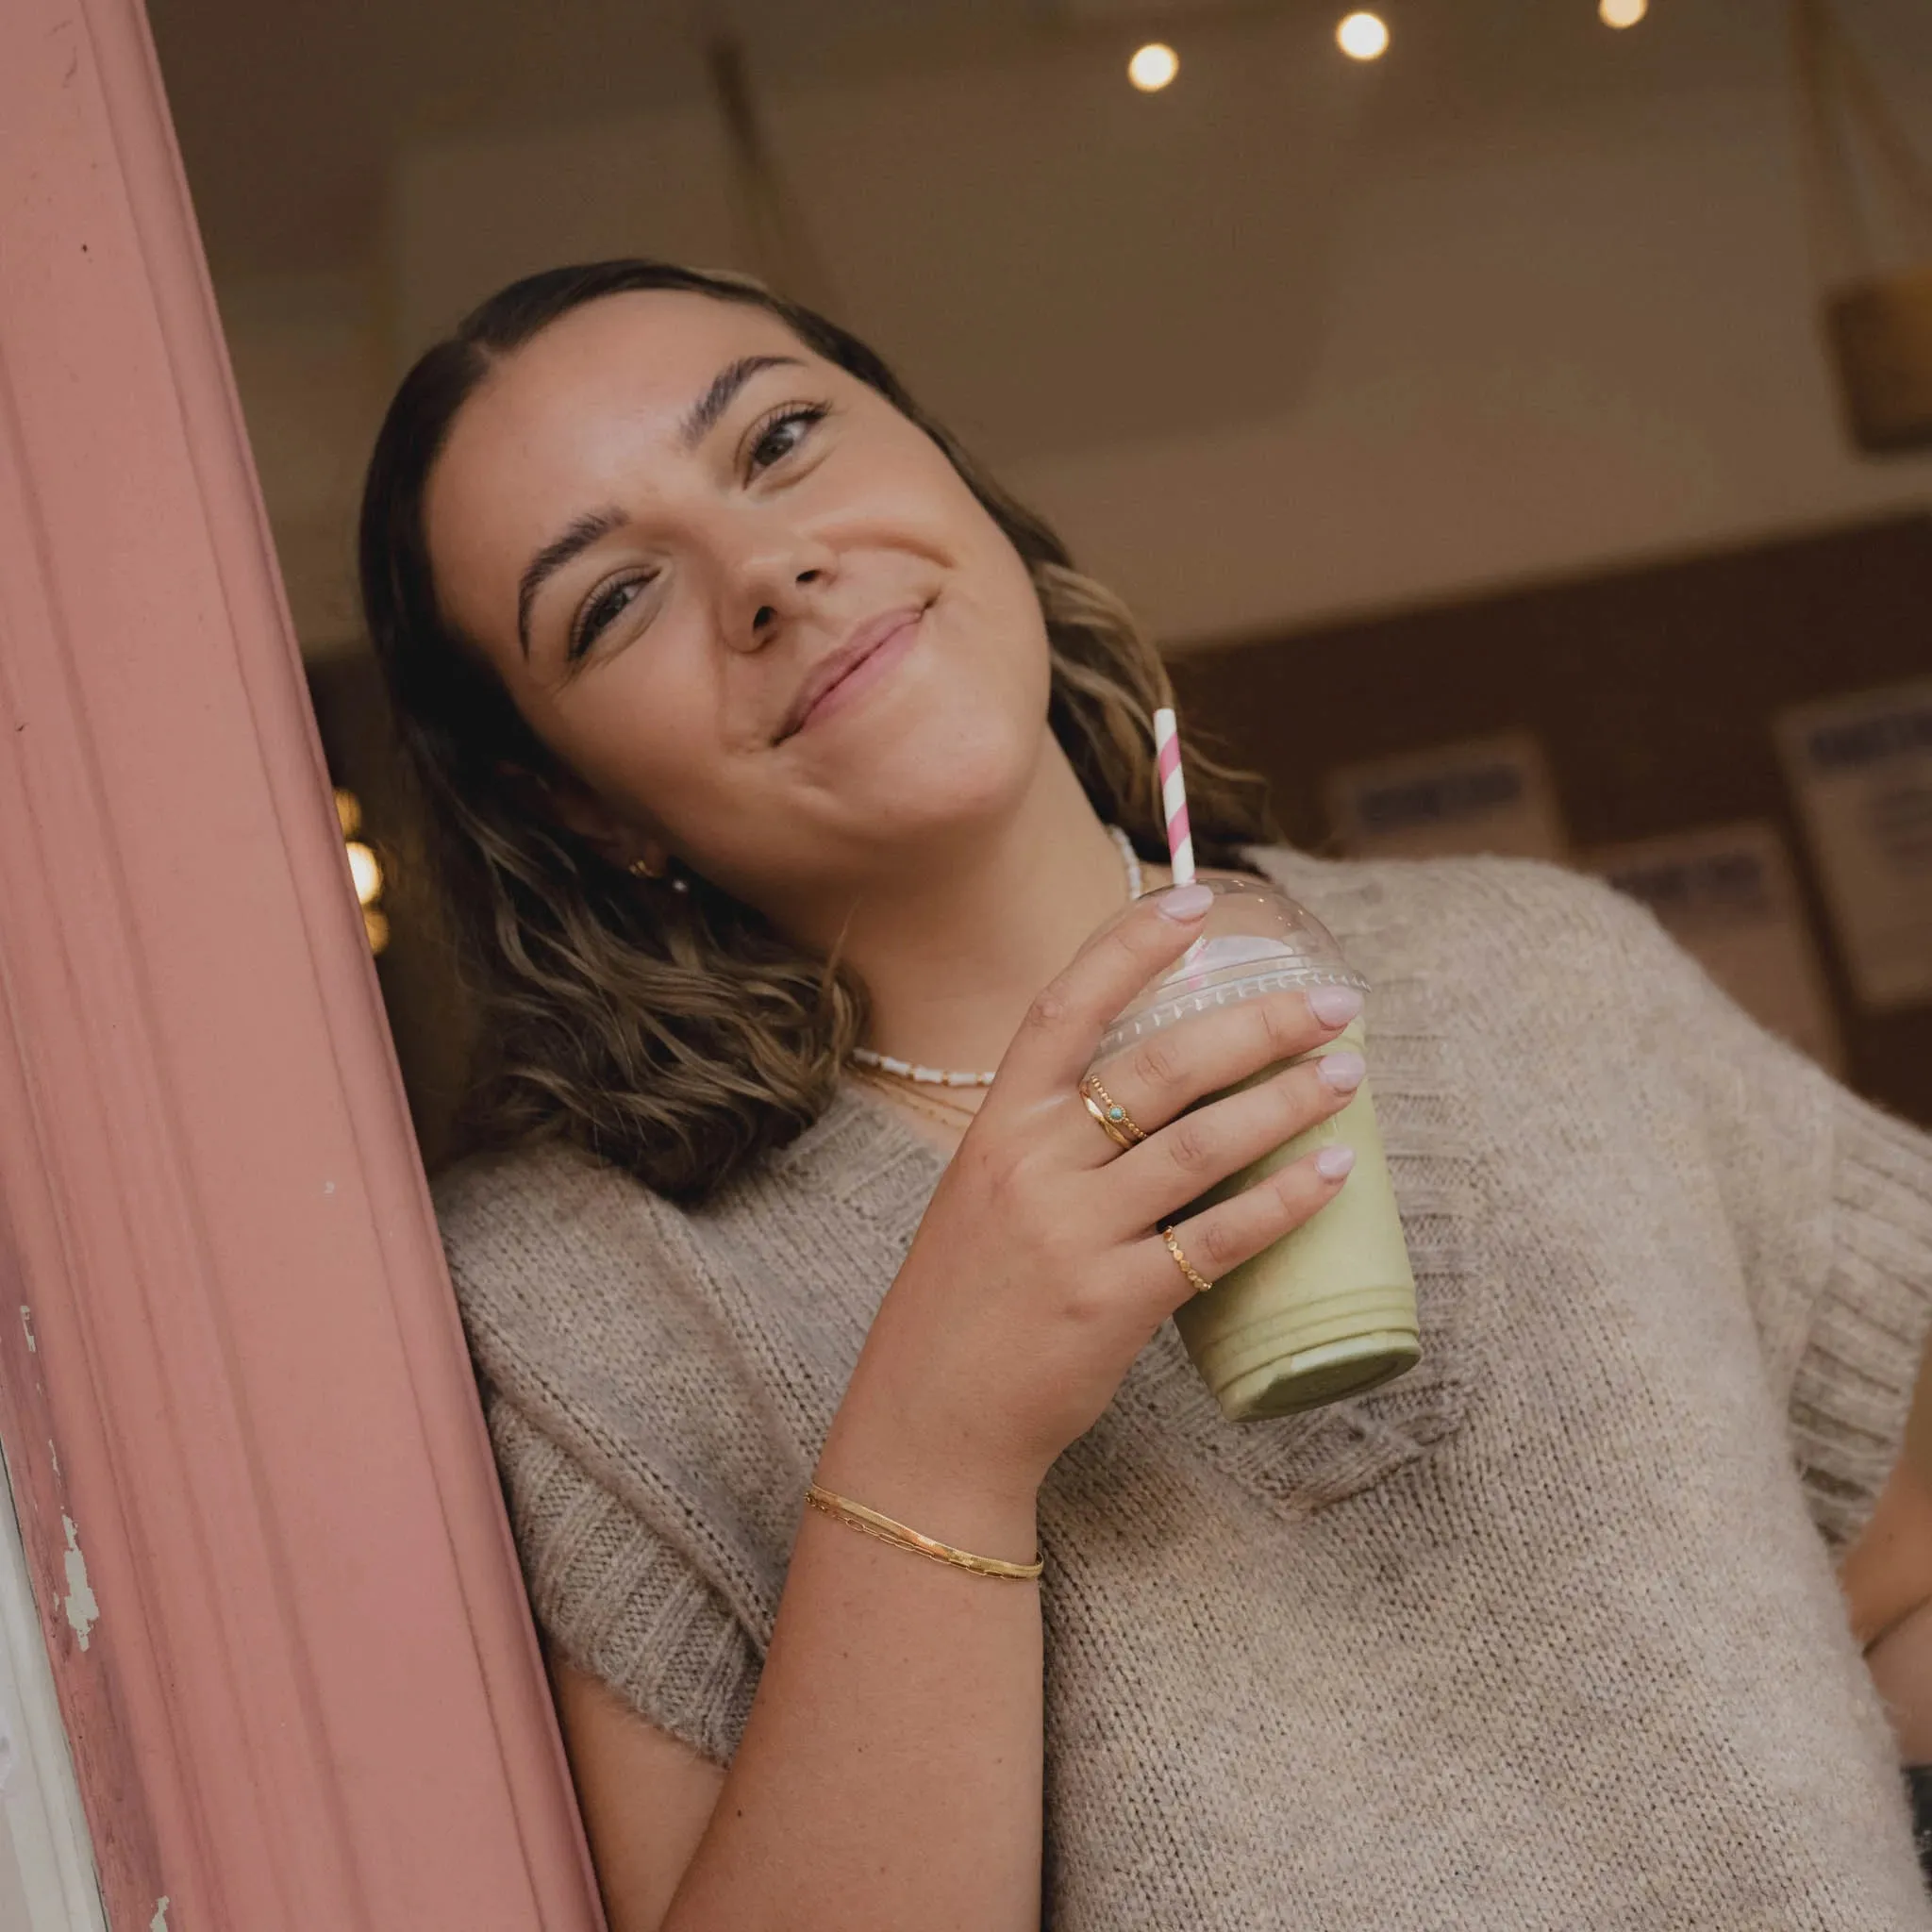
(1174,796)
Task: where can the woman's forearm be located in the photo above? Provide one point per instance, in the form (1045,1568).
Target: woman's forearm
(1887,1578)
(1901,1667)
(890,1774)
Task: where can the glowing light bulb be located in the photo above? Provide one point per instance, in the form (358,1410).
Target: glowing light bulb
(1362,36)
(348,813)
(1153,66)
(376,926)
(366,871)
(1622,13)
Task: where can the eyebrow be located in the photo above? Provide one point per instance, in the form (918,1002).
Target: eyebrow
(554,556)
(703,415)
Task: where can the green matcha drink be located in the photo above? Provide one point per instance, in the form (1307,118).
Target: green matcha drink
(1328,1311)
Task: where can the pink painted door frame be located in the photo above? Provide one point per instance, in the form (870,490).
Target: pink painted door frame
(294,1655)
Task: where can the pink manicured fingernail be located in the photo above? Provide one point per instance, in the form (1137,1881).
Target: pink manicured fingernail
(1185,903)
(1333,1163)
(1342,1070)
(1335,1006)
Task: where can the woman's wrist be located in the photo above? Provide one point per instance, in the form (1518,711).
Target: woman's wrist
(944,1491)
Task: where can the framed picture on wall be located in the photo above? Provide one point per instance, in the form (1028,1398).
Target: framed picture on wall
(1483,795)
(1861,769)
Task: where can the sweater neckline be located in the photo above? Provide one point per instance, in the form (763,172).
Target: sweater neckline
(904,1144)
(858,1139)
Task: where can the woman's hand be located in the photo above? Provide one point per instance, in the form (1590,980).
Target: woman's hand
(1039,1272)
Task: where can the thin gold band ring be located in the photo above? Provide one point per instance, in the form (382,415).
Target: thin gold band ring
(1199,1281)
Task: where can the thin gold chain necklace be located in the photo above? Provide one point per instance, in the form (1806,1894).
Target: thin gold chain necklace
(953,1115)
(938,1077)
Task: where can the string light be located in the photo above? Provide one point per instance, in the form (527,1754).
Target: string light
(367,872)
(1153,66)
(1622,13)
(1363,37)
(365,869)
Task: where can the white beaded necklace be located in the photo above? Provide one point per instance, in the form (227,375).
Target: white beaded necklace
(943,1077)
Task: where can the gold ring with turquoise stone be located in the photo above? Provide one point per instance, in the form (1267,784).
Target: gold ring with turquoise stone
(1115,1121)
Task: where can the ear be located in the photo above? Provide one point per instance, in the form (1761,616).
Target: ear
(567,801)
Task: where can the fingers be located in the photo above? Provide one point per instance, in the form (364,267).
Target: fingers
(1236,1230)
(1064,1026)
(1183,1161)
(1159,1077)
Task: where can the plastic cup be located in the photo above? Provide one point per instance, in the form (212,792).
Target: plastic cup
(1328,1311)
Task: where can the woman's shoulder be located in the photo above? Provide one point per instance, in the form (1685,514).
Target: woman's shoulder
(532,1212)
(626,1409)
(553,1253)
(1518,921)
(503,1195)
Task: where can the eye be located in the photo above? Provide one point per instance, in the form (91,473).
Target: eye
(781,433)
(607,605)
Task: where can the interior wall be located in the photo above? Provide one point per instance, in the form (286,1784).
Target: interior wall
(312,366)
(1055,259)
(1651,694)
(1547,349)
(1291,342)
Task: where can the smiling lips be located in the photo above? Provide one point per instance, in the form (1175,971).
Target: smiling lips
(881,638)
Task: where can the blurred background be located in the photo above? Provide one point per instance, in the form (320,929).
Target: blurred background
(1514,417)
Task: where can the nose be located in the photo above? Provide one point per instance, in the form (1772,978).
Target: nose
(777,580)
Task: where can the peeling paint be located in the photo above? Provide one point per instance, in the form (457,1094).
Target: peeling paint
(26,1324)
(329,1186)
(54,1456)
(160,1922)
(83,1612)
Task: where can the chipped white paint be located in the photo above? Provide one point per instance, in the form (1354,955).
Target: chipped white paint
(83,1612)
(46,1862)
(54,1455)
(160,1922)
(26,1324)
(329,1186)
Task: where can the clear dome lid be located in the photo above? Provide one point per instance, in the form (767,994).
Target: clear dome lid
(1256,939)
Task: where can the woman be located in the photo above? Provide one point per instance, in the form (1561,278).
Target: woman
(758,729)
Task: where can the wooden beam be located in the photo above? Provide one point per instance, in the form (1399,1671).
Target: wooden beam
(292,1648)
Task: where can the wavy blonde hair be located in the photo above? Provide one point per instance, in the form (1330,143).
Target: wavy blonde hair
(675,1033)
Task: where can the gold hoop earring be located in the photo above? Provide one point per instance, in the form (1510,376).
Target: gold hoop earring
(640,869)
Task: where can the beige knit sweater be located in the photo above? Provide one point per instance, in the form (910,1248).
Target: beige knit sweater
(1545,1634)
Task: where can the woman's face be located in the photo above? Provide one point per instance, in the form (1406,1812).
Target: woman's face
(745,602)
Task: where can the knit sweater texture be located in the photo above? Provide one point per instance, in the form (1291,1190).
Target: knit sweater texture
(1545,1634)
